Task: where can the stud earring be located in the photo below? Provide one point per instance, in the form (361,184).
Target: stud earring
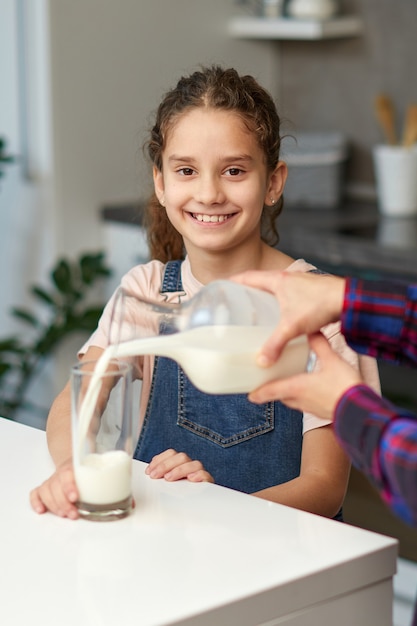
(272,201)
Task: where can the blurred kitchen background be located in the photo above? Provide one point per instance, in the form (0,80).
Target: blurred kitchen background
(79,81)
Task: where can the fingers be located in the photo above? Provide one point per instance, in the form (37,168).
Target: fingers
(36,502)
(289,325)
(160,464)
(287,390)
(320,345)
(274,345)
(172,465)
(57,494)
(317,392)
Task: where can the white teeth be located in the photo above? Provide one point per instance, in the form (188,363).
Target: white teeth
(210,218)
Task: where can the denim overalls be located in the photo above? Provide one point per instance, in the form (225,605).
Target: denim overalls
(244,446)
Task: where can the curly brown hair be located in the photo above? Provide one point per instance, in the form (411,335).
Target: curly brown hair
(216,88)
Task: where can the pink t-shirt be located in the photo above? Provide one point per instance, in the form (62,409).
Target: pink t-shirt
(145,281)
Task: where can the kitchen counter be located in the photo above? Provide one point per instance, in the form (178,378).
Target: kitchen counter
(353,238)
(188,555)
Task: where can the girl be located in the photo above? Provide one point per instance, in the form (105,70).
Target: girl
(218,187)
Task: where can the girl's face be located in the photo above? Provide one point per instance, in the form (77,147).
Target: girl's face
(214,181)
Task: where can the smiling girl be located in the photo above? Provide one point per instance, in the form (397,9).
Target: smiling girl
(219,185)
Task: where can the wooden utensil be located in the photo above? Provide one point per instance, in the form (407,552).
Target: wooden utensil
(385,113)
(410,126)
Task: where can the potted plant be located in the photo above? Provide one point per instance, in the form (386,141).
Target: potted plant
(67,310)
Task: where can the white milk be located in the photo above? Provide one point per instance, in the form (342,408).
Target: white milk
(90,399)
(104,478)
(222,359)
(101,478)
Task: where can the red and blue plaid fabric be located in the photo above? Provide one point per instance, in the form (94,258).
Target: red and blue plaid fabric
(380,319)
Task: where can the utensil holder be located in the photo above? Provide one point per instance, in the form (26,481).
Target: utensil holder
(396,179)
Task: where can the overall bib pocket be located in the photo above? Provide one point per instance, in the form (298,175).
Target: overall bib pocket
(224,420)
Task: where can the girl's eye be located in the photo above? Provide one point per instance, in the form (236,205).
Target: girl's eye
(186,171)
(234,171)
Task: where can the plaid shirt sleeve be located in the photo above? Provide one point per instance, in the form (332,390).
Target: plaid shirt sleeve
(380,319)
(381,440)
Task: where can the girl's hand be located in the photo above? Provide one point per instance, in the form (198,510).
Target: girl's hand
(173,465)
(317,392)
(57,494)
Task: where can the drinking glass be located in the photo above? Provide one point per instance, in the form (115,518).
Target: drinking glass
(101,408)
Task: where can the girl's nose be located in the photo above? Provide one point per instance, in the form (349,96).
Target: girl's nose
(209,190)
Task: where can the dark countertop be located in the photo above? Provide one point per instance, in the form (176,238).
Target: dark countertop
(352,239)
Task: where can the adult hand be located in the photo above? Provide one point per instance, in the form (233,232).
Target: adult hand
(317,392)
(173,465)
(307,302)
(57,494)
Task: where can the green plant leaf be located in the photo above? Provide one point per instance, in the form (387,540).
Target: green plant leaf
(92,266)
(49,340)
(4,158)
(26,316)
(62,277)
(88,319)
(92,315)
(10,343)
(4,368)
(43,295)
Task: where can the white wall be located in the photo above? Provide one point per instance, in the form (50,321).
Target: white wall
(26,233)
(96,70)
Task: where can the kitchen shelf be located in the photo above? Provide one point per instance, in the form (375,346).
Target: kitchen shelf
(295,29)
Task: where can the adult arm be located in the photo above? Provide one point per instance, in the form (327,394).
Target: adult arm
(381,440)
(379,318)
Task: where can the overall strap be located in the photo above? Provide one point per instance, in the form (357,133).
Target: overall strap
(171,282)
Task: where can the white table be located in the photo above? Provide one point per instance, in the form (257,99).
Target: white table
(190,554)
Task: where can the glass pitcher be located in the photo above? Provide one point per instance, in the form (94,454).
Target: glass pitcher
(215,336)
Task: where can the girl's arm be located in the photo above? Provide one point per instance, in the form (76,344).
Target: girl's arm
(321,486)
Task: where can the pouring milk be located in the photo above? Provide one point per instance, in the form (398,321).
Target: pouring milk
(219,334)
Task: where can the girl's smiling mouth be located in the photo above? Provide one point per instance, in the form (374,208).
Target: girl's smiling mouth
(203,217)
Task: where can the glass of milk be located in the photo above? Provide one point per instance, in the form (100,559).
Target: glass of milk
(101,408)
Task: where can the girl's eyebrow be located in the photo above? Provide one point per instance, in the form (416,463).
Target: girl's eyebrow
(237,158)
(180,159)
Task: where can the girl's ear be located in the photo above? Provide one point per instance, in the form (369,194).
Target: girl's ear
(276,183)
(158,183)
